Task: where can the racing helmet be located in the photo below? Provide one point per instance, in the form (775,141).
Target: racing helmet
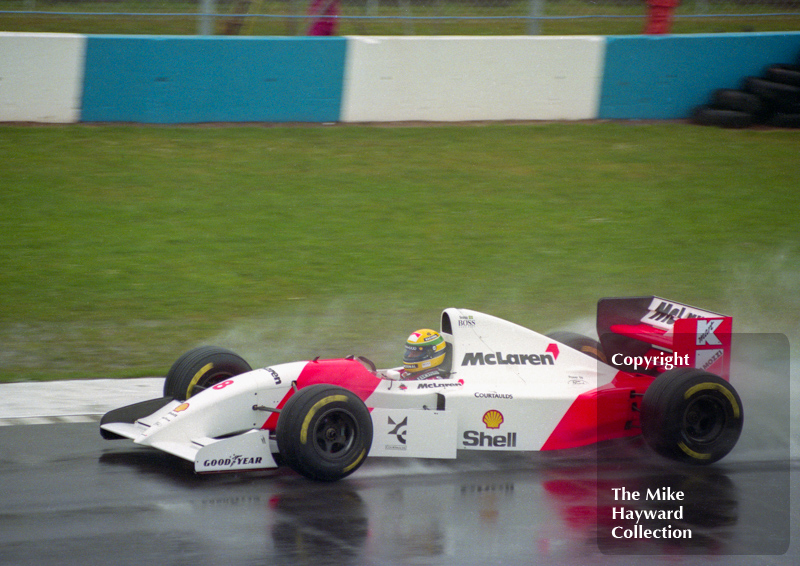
(425,349)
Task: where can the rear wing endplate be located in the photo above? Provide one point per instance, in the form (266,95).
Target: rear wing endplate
(664,330)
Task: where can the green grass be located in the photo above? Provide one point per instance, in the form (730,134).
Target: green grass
(121,247)
(502,17)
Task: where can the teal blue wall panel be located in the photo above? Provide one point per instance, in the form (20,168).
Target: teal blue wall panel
(155,79)
(665,77)
(185,79)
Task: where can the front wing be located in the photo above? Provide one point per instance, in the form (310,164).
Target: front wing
(251,450)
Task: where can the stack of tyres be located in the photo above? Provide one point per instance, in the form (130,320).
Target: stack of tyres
(772,99)
(780,90)
(731,108)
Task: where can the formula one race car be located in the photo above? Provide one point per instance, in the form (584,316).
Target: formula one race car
(660,369)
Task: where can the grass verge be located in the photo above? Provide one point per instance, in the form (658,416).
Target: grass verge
(121,247)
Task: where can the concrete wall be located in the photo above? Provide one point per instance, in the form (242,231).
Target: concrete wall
(41,76)
(665,77)
(218,79)
(191,79)
(472,78)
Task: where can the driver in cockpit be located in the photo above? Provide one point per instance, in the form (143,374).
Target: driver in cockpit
(426,356)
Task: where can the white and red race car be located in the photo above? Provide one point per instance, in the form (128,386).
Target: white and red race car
(660,369)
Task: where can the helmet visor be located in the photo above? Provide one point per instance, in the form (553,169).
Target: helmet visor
(417,353)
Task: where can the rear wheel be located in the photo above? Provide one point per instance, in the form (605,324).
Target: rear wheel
(324,432)
(579,342)
(200,369)
(690,415)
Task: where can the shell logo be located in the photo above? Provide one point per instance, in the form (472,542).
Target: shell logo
(493,419)
(181,407)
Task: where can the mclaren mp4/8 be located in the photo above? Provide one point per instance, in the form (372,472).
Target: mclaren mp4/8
(660,369)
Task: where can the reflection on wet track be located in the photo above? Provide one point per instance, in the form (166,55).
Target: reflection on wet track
(70,498)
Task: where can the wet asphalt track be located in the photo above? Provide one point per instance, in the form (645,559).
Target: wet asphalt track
(69,497)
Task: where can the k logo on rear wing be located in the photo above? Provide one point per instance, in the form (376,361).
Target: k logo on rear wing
(647,327)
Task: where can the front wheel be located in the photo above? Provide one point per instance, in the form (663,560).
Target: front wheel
(691,415)
(324,432)
(201,368)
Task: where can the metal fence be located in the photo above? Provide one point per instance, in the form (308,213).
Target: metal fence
(393,17)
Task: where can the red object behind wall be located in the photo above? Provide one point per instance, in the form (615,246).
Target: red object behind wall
(325,17)
(659,16)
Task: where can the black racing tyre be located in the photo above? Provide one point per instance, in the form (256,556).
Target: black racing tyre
(782,97)
(786,74)
(691,416)
(579,342)
(324,432)
(200,369)
(723,118)
(738,100)
(781,120)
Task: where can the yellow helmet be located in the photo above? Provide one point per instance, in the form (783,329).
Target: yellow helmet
(425,349)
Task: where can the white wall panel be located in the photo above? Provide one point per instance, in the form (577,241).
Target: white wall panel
(41,77)
(472,78)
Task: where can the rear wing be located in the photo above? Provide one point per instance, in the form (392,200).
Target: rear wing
(651,335)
